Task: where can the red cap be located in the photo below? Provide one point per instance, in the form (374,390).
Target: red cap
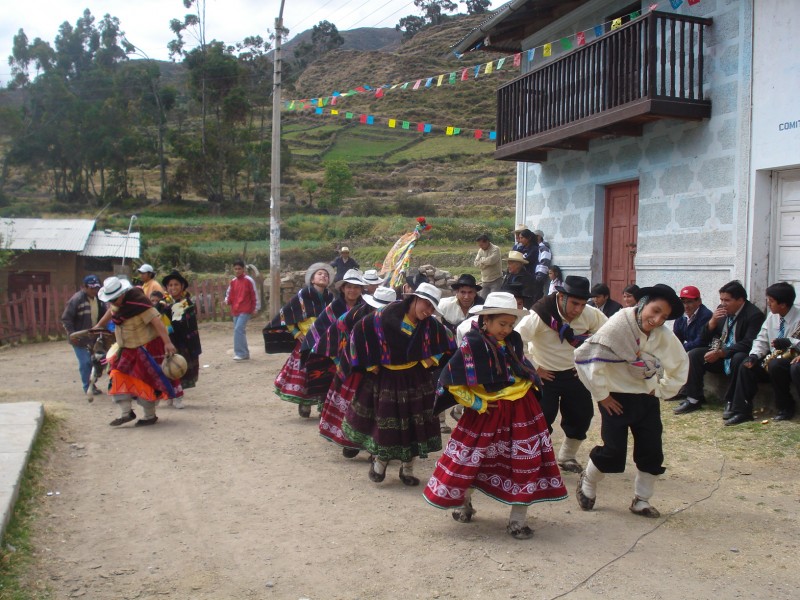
(690,292)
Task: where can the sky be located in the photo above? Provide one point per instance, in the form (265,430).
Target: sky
(146,22)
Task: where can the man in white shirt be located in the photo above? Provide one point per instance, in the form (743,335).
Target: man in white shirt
(779,334)
(557,325)
(456,308)
(488,261)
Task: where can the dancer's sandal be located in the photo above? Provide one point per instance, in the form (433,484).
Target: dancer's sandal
(519,531)
(304,410)
(122,420)
(463,514)
(645,511)
(350,452)
(145,422)
(570,466)
(374,475)
(408,479)
(584,501)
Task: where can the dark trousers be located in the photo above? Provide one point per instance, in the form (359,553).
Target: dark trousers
(568,393)
(698,369)
(540,286)
(781,375)
(641,414)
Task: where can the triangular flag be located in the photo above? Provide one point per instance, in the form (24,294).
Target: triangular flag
(420,126)
(406,124)
(448,131)
(500,63)
(566,43)
(452,78)
(333,101)
(616,23)
(676,3)
(366,88)
(405,85)
(319,102)
(492,135)
(428,82)
(394,86)
(370,120)
(392,123)
(692,2)
(580,38)
(439,81)
(291,105)
(318,111)
(478,134)
(348,115)
(335,94)
(362,119)
(635,14)
(334,111)
(428,127)
(325,101)
(488,67)
(517,59)
(416,85)
(531,52)
(477,70)
(598,29)
(548,50)
(464,74)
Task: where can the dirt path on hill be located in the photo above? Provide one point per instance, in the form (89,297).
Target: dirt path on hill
(237,497)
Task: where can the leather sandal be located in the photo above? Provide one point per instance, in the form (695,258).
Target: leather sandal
(122,420)
(519,531)
(374,475)
(145,422)
(584,501)
(571,466)
(408,479)
(463,514)
(350,452)
(304,410)
(648,511)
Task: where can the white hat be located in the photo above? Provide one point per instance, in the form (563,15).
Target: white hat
(317,267)
(372,277)
(499,303)
(113,288)
(429,292)
(344,249)
(145,268)
(352,276)
(381,297)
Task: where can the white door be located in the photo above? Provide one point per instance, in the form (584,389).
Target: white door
(785,250)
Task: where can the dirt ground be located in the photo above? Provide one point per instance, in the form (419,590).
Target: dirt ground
(238,497)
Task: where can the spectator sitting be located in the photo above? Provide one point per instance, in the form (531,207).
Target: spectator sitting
(516,273)
(629,295)
(689,328)
(601,299)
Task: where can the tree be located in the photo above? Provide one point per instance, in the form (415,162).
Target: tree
(337,184)
(324,38)
(310,187)
(410,26)
(477,7)
(432,11)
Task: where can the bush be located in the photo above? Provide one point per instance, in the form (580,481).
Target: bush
(414,206)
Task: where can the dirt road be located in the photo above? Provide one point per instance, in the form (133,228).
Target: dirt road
(237,497)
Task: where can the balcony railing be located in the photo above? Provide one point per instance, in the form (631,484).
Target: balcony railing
(649,69)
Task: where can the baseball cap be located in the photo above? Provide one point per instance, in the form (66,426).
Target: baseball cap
(689,291)
(92,281)
(145,268)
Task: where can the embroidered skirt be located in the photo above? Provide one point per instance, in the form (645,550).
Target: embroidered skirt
(391,415)
(335,408)
(304,379)
(137,371)
(506,453)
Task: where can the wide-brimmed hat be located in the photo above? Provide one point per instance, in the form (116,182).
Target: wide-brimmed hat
(344,250)
(415,280)
(174,366)
(466,280)
(353,276)
(517,290)
(428,292)
(664,292)
(520,228)
(499,303)
(381,297)
(145,268)
(177,277)
(515,256)
(92,281)
(372,277)
(316,267)
(113,288)
(577,286)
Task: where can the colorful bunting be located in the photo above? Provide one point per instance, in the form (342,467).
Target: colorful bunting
(548,50)
(318,110)
(362,119)
(452,80)
(428,127)
(370,120)
(448,131)
(531,52)
(416,85)
(488,67)
(439,81)
(392,123)
(420,127)
(517,59)
(500,63)
(428,83)
(379,93)
(676,4)
(566,44)
(492,135)
(598,30)
(616,23)
(334,111)
(464,74)
(477,70)
(406,124)
(581,38)
(635,14)
(692,2)
(478,133)
(348,115)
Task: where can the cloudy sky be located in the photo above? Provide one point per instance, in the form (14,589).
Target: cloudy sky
(146,22)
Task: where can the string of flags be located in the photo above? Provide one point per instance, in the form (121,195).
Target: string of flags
(418,126)
(564,44)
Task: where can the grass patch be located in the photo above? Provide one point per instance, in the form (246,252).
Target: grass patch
(16,566)
(442,147)
(351,147)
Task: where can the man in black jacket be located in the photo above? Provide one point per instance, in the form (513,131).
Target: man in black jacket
(601,299)
(517,274)
(83,311)
(726,343)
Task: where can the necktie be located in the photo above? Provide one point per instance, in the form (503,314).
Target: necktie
(782,328)
(728,343)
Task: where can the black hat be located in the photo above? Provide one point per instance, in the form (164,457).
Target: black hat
(178,277)
(468,280)
(663,291)
(415,280)
(575,285)
(516,289)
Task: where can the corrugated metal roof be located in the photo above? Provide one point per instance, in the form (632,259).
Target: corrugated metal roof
(111,244)
(45,234)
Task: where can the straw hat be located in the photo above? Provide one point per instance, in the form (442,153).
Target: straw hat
(516,256)
(353,276)
(381,297)
(113,288)
(316,267)
(499,303)
(174,366)
(520,227)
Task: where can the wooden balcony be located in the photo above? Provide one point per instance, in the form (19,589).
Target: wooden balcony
(649,69)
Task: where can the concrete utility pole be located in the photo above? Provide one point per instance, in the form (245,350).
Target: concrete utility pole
(275,183)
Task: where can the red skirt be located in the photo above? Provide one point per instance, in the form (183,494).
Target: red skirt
(304,379)
(505,452)
(335,408)
(137,371)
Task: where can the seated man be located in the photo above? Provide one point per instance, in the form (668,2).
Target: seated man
(689,327)
(778,334)
(516,274)
(733,327)
(456,308)
(601,299)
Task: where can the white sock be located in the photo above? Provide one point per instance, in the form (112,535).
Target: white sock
(593,477)
(568,450)
(148,407)
(519,514)
(693,400)
(644,485)
(408,468)
(124,403)
(380,466)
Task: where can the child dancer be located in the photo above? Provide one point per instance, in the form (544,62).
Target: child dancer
(502,446)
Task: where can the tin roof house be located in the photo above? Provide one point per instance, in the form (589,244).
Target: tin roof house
(656,141)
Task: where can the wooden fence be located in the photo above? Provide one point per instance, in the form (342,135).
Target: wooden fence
(35,314)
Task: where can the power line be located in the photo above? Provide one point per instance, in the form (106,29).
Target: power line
(386,17)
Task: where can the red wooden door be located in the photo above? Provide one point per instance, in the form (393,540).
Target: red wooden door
(621,234)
